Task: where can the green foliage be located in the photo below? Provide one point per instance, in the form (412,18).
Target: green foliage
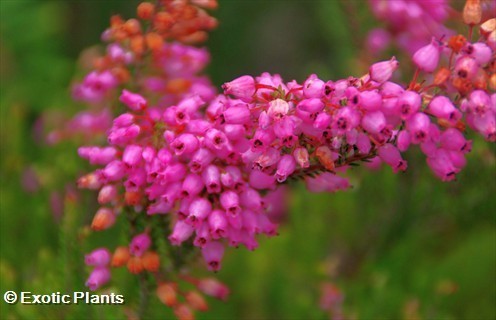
(398,246)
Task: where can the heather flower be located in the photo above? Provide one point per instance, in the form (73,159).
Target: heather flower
(98,277)
(427,57)
(139,244)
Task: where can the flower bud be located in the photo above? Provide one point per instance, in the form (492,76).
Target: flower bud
(120,257)
(472,12)
(427,57)
(167,293)
(103,219)
(382,71)
(150,261)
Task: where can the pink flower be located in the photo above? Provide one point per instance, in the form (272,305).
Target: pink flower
(427,57)
(134,101)
(98,277)
(139,244)
(382,71)
(212,253)
(242,88)
(98,258)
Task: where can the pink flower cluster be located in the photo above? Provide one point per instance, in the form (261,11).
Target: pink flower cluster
(213,164)
(409,23)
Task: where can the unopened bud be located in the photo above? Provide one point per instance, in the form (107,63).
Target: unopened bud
(196,301)
(472,12)
(145,10)
(135,265)
(120,257)
(167,294)
(103,219)
(151,261)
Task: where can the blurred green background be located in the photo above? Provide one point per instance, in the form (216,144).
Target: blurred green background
(401,246)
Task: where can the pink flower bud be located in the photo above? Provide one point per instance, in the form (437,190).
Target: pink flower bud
(98,277)
(200,160)
(98,258)
(218,224)
(114,171)
(211,178)
(215,139)
(418,125)
(250,198)
(242,88)
(260,180)
(427,57)
(229,200)
(391,156)
(452,139)
(313,87)
(238,114)
(285,167)
(181,232)
(133,100)
(185,143)
(213,288)
(139,244)
(408,103)
(442,107)
(199,209)
(363,143)
(466,67)
(322,121)
(234,132)
(374,122)
(132,155)
(403,140)
(212,253)
(442,166)
(382,71)
(370,100)
(192,185)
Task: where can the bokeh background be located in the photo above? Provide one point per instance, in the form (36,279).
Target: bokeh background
(401,246)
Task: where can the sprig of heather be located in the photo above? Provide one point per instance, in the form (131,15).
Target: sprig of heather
(211,166)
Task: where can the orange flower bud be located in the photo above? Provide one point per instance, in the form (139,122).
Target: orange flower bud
(145,10)
(195,37)
(151,261)
(167,294)
(456,43)
(472,12)
(324,155)
(89,181)
(132,27)
(132,198)
(163,21)
(137,45)
(183,312)
(464,86)
(176,86)
(441,76)
(196,301)
(154,41)
(135,265)
(116,21)
(103,219)
(122,74)
(120,257)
